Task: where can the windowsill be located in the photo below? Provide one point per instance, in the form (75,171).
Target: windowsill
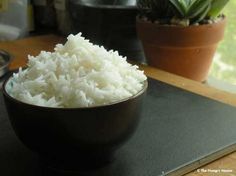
(222,85)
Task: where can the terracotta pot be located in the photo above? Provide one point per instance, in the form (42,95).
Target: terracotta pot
(186,51)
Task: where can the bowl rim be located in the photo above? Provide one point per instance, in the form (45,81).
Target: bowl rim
(5,93)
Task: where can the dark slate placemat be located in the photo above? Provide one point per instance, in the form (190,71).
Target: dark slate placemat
(178,128)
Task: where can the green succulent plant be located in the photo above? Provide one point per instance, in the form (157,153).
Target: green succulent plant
(185,12)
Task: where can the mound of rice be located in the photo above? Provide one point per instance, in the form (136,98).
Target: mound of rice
(77,74)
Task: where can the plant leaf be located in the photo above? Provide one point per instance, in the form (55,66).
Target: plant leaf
(188,2)
(203,15)
(216,7)
(185,6)
(192,2)
(179,6)
(198,8)
(184,3)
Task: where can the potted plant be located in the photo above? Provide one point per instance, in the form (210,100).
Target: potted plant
(181,36)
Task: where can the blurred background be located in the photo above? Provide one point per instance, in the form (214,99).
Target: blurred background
(223,70)
(110,23)
(106,22)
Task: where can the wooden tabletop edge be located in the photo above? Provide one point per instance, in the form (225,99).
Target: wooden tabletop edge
(189,85)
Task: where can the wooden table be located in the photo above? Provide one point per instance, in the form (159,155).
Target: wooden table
(21,48)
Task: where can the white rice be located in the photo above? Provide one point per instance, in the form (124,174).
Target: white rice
(77,74)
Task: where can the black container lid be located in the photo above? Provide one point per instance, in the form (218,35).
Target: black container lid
(108,4)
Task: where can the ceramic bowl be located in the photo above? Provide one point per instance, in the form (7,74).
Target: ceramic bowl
(75,137)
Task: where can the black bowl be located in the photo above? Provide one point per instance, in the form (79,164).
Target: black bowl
(75,138)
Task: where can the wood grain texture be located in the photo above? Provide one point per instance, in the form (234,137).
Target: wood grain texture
(20,49)
(32,46)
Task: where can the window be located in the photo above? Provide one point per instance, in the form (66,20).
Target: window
(224,64)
